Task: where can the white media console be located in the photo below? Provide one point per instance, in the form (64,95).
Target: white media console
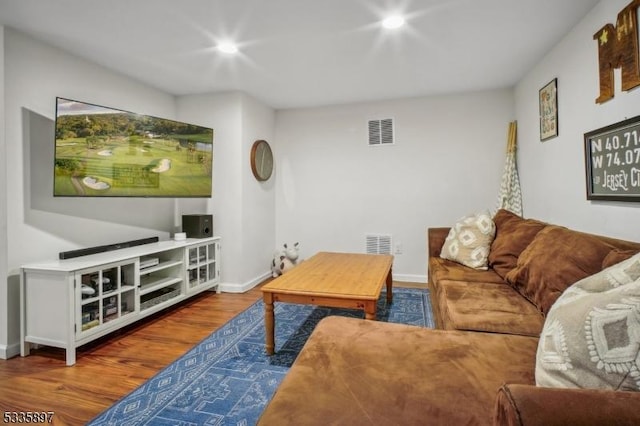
(68,303)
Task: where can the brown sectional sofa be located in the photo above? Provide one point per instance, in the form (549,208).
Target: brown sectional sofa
(479,366)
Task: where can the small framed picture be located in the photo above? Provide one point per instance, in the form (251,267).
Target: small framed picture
(549,110)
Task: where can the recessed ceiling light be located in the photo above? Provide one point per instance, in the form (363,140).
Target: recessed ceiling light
(393,22)
(228,48)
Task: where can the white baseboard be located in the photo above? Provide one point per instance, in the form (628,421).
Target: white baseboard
(243,287)
(408,278)
(9,351)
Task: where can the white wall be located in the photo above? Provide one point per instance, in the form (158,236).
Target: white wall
(4,331)
(553,172)
(222,112)
(35,74)
(332,188)
(58,225)
(243,209)
(39,226)
(258,201)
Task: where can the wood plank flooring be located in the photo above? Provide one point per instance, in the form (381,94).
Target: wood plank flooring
(111,367)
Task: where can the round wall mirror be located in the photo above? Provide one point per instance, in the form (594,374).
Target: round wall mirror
(261,160)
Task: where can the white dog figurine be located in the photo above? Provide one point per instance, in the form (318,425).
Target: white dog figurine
(284,260)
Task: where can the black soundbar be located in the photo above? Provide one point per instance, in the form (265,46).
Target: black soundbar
(109,247)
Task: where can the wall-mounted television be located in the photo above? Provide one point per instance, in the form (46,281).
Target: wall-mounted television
(108,152)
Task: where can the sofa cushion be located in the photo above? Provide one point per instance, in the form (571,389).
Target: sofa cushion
(469,240)
(488,307)
(616,256)
(591,337)
(358,372)
(513,235)
(443,269)
(556,258)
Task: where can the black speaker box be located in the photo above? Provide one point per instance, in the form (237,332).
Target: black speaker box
(197,225)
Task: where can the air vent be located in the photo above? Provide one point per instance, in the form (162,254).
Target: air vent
(381,132)
(378,244)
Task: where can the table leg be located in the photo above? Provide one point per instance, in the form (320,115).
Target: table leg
(269,323)
(389,287)
(370,310)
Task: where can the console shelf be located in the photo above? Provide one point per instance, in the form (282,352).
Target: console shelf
(150,284)
(68,303)
(161,266)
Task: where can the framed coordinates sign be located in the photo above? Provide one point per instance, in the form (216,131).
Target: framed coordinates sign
(612,161)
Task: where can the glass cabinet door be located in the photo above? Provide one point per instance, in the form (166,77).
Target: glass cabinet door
(202,269)
(104,295)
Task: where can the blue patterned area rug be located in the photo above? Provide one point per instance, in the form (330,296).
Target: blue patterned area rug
(227,379)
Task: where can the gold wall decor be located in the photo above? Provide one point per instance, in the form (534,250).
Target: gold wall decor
(618,48)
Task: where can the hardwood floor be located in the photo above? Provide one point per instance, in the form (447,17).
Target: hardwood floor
(111,367)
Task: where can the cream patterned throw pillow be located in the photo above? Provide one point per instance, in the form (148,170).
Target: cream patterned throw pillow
(469,240)
(591,336)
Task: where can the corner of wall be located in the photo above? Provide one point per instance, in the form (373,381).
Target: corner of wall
(5,350)
(243,287)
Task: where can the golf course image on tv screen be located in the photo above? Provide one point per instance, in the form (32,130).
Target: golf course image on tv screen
(107,152)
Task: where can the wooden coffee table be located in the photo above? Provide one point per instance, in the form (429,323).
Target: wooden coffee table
(339,280)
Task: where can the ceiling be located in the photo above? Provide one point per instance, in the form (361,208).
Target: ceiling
(298,53)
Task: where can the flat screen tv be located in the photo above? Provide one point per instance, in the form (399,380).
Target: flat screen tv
(107,152)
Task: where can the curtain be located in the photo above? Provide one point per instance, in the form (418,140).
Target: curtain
(510,197)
